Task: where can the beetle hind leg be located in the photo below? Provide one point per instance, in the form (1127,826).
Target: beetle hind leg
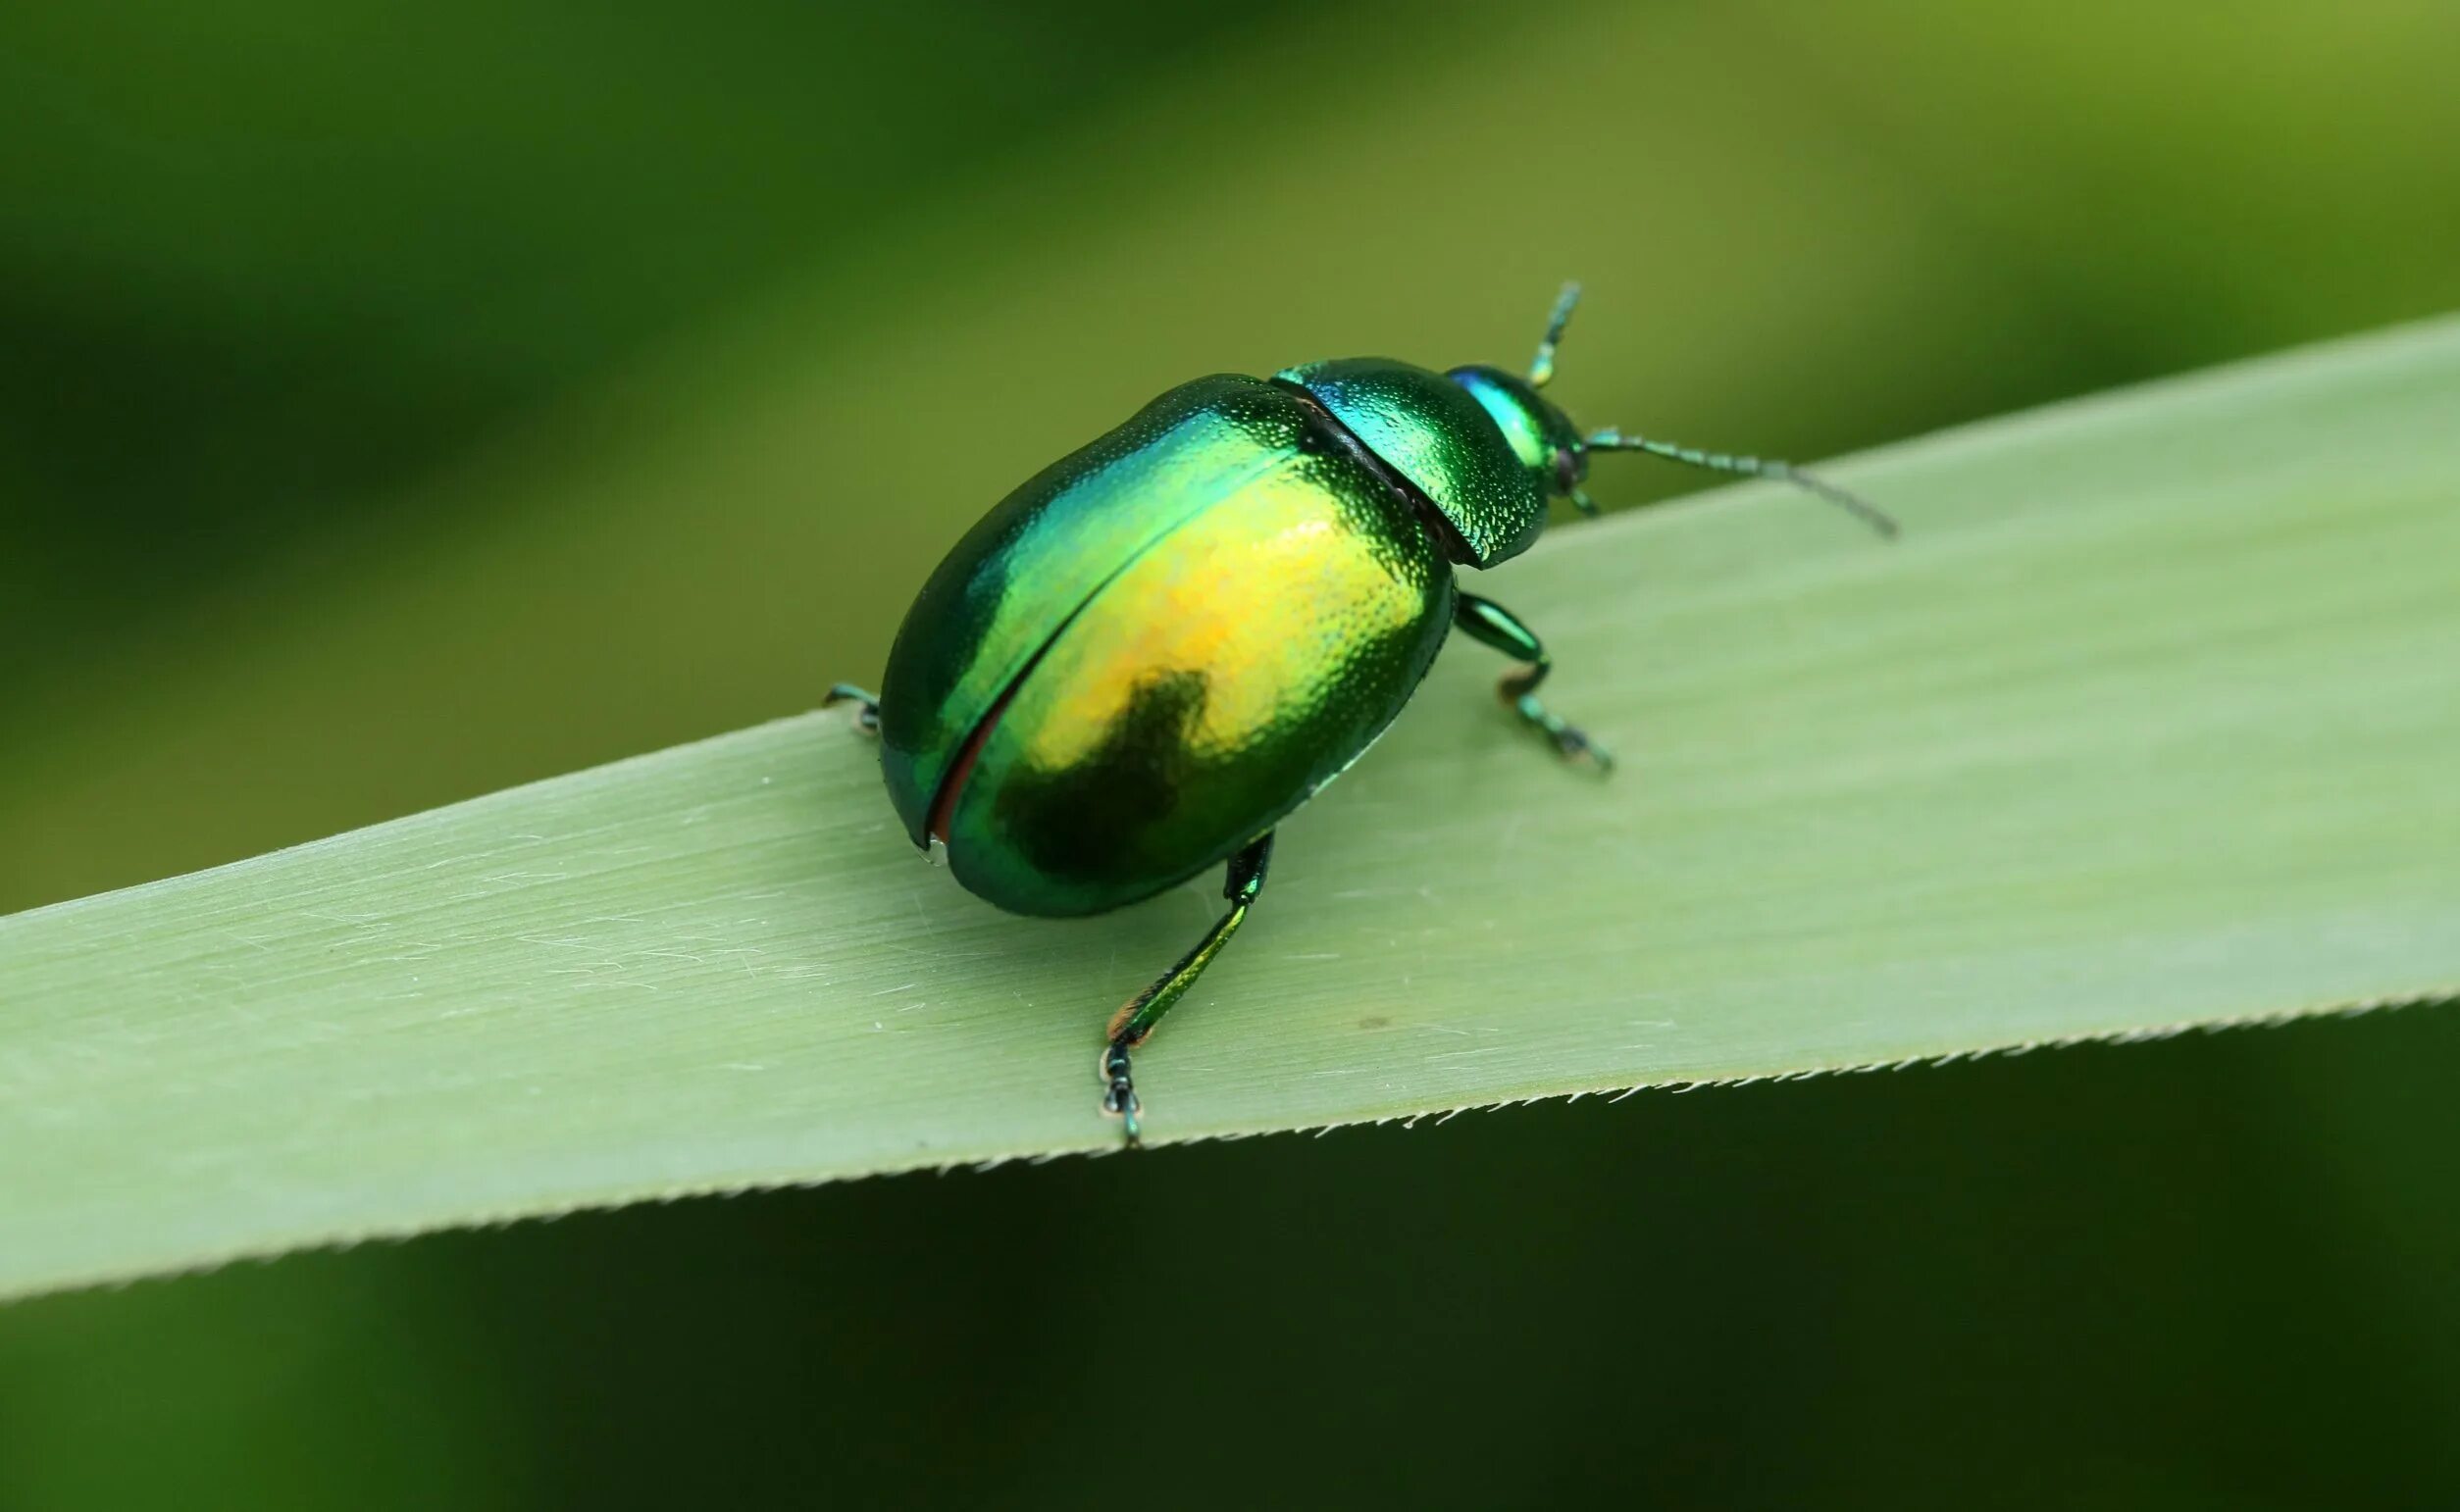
(1492,625)
(866,707)
(1137,1017)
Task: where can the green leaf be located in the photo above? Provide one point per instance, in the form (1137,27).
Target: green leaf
(2151,720)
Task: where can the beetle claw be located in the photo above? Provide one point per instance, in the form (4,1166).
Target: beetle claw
(1577,746)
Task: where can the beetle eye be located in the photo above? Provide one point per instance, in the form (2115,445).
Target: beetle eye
(1567,469)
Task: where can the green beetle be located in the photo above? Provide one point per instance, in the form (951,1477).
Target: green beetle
(1138,663)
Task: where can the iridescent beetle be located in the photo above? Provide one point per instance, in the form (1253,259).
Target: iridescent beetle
(1138,663)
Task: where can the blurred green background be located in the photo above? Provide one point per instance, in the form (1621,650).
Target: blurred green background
(398,403)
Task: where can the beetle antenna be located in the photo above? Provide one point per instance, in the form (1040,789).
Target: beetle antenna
(1749,467)
(1542,367)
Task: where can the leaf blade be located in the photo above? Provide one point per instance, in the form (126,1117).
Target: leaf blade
(2143,726)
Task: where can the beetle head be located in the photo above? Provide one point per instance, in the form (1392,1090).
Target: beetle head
(1557,454)
(1487,451)
(1540,435)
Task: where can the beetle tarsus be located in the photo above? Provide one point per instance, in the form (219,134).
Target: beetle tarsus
(866,707)
(1118,1096)
(1570,741)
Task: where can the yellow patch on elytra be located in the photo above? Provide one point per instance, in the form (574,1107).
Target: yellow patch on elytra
(1247,599)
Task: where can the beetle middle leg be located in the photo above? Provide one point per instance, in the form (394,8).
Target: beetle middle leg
(866,707)
(1492,625)
(1137,1017)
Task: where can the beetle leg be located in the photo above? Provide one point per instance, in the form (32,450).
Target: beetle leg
(866,707)
(1137,1017)
(1492,625)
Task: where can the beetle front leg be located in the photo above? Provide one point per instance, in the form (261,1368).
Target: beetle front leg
(866,707)
(1137,1017)
(1491,623)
